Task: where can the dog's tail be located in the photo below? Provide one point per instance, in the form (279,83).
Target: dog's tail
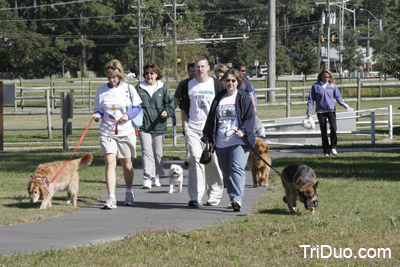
(84,161)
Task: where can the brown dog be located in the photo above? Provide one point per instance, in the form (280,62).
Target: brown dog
(300,182)
(259,170)
(41,187)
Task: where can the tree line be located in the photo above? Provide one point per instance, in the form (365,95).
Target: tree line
(44,37)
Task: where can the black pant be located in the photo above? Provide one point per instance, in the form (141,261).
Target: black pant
(322,118)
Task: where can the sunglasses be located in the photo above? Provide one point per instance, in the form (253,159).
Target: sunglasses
(149,73)
(111,67)
(228,81)
(243,71)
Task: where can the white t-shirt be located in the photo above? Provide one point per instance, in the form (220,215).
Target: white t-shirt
(151,89)
(227,122)
(112,104)
(201,96)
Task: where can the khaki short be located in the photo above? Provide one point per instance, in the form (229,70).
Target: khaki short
(122,146)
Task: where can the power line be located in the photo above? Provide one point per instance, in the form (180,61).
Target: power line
(38,6)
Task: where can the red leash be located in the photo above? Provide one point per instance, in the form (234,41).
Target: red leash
(80,141)
(116,125)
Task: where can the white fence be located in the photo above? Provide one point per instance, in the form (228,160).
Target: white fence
(289,131)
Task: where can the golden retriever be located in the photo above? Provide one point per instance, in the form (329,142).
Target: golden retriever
(41,187)
(259,170)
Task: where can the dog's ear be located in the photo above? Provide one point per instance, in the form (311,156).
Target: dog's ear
(30,185)
(315,186)
(43,190)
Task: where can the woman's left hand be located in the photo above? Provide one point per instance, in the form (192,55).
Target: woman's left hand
(239,134)
(124,117)
(163,114)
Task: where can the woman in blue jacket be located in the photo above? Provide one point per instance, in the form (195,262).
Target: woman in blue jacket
(231,118)
(323,93)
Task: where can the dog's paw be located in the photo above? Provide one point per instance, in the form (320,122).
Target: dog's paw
(68,201)
(170,192)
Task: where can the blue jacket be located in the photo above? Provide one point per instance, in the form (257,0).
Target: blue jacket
(245,117)
(324,98)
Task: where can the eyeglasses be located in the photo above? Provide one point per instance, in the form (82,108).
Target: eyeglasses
(111,67)
(228,81)
(149,73)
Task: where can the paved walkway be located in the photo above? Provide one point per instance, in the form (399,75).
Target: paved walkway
(154,209)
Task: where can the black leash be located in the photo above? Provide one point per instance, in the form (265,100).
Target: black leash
(258,155)
(231,132)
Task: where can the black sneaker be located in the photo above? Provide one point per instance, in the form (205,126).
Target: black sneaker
(237,206)
(194,203)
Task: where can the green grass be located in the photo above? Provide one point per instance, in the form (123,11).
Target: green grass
(359,207)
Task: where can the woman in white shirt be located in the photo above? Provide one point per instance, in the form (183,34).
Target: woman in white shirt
(117,135)
(231,118)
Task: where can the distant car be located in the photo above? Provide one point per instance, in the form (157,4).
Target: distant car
(259,71)
(129,75)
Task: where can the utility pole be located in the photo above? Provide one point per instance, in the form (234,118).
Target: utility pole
(174,5)
(140,42)
(367,52)
(271,49)
(329,35)
(140,39)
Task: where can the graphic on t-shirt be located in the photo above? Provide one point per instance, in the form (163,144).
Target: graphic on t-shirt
(227,112)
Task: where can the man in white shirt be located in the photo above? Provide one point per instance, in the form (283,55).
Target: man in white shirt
(199,94)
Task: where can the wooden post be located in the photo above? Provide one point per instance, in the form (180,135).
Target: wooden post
(1,118)
(373,128)
(287,99)
(48,113)
(358,93)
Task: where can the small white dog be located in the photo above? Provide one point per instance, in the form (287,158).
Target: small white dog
(175,178)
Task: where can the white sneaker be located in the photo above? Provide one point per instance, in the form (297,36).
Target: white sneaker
(147,184)
(213,202)
(111,203)
(156,181)
(334,152)
(129,199)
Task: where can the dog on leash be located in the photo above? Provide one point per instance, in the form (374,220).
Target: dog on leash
(41,187)
(259,170)
(175,178)
(300,183)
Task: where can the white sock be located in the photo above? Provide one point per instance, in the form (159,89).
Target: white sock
(111,196)
(129,190)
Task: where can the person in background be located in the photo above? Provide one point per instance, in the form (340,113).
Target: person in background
(246,86)
(177,96)
(220,71)
(117,135)
(157,104)
(192,73)
(230,119)
(324,93)
(195,101)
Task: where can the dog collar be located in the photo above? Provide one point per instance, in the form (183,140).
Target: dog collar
(44,179)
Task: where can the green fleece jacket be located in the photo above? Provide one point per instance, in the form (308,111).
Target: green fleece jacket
(152,107)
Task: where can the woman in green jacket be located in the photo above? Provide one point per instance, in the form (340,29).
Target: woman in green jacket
(157,106)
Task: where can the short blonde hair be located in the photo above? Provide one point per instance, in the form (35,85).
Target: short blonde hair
(221,69)
(114,67)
